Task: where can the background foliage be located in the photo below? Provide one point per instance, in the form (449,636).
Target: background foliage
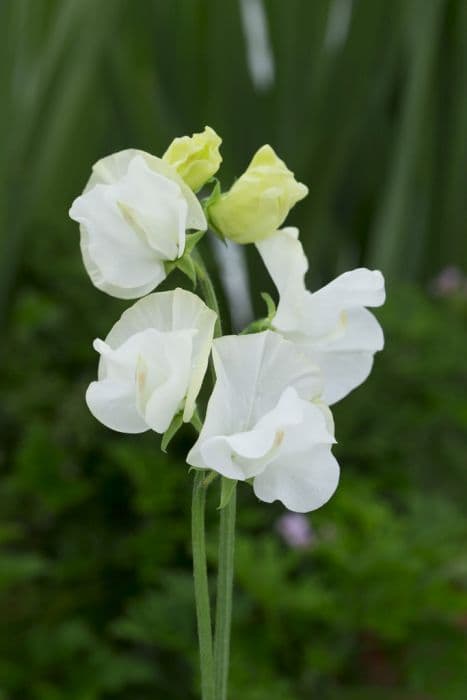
(367,102)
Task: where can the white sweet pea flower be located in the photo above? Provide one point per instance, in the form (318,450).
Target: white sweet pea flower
(133,215)
(152,363)
(265,422)
(331,326)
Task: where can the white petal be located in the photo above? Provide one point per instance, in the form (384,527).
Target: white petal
(346,361)
(115,290)
(359,287)
(286,262)
(113,167)
(154,205)
(113,404)
(119,362)
(283,255)
(176,310)
(343,372)
(257,368)
(303,485)
(243,455)
(115,258)
(361,332)
(162,378)
(253,371)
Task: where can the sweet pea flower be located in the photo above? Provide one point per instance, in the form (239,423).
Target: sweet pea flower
(152,363)
(259,201)
(331,326)
(133,215)
(196,158)
(265,422)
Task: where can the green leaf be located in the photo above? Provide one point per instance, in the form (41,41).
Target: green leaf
(171,431)
(227,490)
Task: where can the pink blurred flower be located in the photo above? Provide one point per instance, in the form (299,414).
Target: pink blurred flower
(450,280)
(295,530)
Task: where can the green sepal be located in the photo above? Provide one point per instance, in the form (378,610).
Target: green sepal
(191,240)
(173,428)
(271,307)
(185,263)
(213,196)
(196,421)
(262,324)
(207,202)
(227,491)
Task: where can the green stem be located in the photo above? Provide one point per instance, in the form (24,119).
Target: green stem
(207,289)
(224,597)
(196,421)
(200,575)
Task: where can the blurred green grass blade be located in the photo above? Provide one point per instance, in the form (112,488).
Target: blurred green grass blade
(388,245)
(60,105)
(449,233)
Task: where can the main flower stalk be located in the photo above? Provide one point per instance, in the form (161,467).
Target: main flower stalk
(213,662)
(224,596)
(200,576)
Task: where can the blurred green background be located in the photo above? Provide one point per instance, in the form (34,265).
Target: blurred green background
(366,100)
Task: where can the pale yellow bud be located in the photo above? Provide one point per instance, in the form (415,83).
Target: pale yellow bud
(196,158)
(258,202)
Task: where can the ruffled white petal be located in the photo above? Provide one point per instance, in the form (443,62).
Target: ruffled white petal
(162,378)
(111,168)
(256,369)
(116,259)
(331,326)
(346,358)
(358,288)
(133,216)
(261,424)
(113,404)
(154,207)
(286,262)
(262,383)
(303,482)
(176,310)
(244,454)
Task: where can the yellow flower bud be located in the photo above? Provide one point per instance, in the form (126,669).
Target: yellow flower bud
(258,202)
(196,158)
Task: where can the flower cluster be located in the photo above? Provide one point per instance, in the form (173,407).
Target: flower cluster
(267,420)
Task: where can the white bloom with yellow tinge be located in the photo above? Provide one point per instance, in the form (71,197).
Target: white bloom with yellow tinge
(152,363)
(259,201)
(331,326)
(265,422)
(195,158)
(133,216)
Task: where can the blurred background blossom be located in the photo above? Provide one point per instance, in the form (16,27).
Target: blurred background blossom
(295,530)
(367,103)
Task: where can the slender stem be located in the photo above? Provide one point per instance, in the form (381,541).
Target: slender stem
(196,421)
(224,597)
(200,575)
(226,541)
(208,290)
